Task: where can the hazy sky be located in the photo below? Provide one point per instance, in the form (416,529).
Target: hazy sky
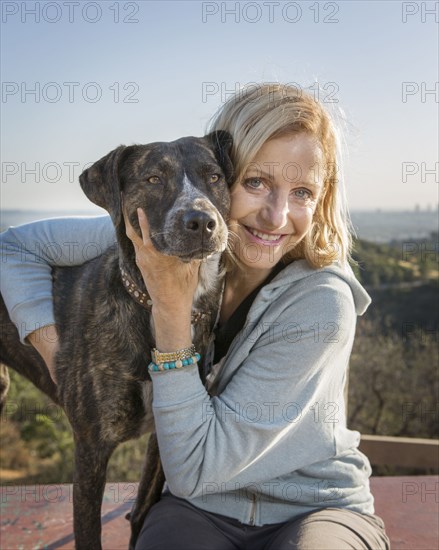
(107,73)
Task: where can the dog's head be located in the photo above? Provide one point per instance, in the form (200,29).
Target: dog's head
(183,187)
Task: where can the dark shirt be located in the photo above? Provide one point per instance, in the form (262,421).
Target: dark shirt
(225,333)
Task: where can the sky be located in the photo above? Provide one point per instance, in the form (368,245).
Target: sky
(81,78)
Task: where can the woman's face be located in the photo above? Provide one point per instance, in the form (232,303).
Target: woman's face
(272,206)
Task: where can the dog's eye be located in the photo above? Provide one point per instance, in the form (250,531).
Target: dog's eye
(214,178)
(154,179)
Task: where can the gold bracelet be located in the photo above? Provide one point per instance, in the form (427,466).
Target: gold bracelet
(159,357)
(170,365)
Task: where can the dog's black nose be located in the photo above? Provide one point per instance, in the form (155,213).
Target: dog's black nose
(199,222)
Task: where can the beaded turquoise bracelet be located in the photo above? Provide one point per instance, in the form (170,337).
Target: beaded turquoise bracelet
(169,365)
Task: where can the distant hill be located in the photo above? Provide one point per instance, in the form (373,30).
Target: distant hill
(396,262)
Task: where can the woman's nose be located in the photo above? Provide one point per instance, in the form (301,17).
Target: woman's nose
(275,213)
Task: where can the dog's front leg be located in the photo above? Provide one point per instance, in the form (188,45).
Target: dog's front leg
(91,462)
(150,489)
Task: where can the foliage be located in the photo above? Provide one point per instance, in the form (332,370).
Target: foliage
(37,440)
(393,384)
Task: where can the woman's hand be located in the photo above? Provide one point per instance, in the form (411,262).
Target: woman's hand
(171,286)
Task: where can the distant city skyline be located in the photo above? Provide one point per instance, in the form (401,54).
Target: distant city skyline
(79,80)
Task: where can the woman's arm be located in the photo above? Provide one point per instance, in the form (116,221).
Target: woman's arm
(279,411)
(28,253)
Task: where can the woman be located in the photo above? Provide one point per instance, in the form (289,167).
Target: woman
(263,458)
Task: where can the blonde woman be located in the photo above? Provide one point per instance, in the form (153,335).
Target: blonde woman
(262,458)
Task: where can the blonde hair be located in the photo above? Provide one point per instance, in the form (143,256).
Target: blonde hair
(265,111)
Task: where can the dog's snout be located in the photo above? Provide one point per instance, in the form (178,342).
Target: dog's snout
(199,222)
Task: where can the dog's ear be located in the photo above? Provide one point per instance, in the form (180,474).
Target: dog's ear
(221,143)
(101,184)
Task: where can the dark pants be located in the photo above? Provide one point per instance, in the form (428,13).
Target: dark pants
(175,524)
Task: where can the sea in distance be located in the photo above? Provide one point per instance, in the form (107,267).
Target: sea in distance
(377,226)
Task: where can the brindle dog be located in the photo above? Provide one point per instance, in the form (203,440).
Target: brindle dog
(106,335)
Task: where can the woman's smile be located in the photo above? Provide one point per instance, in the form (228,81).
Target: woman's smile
(268,239)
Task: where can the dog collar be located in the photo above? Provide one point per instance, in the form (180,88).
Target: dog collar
(145,301)
(138,296)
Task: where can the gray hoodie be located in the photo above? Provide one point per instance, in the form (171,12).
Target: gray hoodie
(270,441)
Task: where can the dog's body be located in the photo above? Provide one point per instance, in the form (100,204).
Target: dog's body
(105,335)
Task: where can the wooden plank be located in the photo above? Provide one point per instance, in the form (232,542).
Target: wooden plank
(401,451)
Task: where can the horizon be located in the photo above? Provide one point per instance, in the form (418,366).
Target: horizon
(97,210)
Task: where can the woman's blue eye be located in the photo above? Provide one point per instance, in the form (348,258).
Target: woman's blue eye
(253,183)
(302,193)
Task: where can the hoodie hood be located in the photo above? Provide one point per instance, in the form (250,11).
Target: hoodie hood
(300,270)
